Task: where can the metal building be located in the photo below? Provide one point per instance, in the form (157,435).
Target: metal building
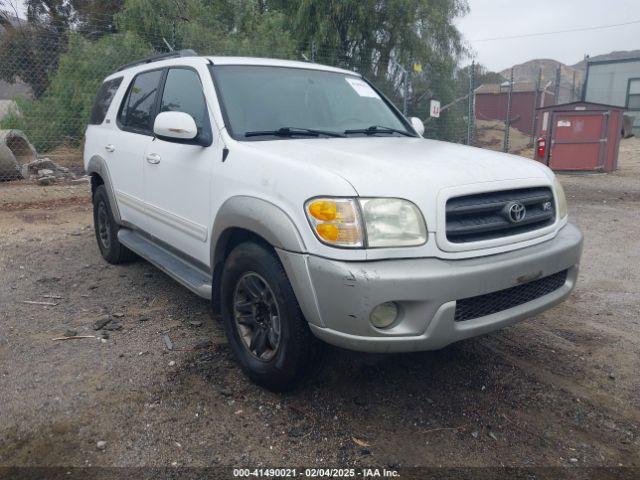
(491,102)
(579,136)
(615,82)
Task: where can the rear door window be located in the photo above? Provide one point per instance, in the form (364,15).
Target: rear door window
(103,100)
(138,110)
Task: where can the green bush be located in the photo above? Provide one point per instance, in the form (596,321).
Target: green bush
(61,114)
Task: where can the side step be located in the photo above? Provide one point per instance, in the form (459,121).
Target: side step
(193,278)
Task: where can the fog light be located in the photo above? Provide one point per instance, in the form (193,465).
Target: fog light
(384,315)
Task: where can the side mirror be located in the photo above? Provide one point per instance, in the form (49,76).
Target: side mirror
(175,126)
(417,125)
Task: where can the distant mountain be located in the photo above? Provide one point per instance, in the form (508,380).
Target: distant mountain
(528,72)
(570,77)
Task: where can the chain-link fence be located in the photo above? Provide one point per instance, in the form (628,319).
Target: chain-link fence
(49,78)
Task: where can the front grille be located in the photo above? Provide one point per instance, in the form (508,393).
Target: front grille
(483,305)
(485,216)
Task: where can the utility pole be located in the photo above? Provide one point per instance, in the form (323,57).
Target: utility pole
(507,121)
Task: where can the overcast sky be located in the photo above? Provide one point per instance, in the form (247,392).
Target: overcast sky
(500,18)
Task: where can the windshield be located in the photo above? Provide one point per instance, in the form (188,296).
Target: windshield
(264,103)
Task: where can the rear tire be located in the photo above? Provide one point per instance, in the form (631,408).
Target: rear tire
(265,327)
(106,230)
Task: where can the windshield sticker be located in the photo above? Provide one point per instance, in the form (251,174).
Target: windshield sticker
(361,87)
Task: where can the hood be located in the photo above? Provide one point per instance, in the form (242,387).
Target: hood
(403,167)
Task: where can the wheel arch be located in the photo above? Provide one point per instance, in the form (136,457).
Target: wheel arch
(98,170)
(245,218)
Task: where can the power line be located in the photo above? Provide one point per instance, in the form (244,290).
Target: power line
(583,29)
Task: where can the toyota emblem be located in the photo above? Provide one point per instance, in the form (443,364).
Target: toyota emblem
(516,212)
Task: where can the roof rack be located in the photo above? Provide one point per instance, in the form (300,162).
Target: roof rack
(157,58)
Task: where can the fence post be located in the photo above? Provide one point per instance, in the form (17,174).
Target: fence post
(471,115)
(557,87)
(536,99)
(507,120)
(405,100)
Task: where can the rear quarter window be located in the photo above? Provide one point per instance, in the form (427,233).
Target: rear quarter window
(103,100)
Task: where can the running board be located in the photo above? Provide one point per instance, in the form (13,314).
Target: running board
(177,268)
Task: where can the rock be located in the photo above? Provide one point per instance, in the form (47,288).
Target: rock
(15,153)
(70,333)
(113,326)
(172,363)
(105,335)
(101,322)
(117,315)
(46,181)
(612,376)
(225,392)
(204,344)
(474,434)
(143,319)
(46,172)
(492,435)
(295,432)
(195,323)
(101,445)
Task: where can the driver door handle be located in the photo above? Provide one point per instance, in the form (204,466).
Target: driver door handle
(153,158)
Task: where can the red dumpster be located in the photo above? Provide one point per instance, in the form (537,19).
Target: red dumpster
(579,136)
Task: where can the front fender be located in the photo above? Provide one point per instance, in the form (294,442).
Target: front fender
(259,216)
(270,222)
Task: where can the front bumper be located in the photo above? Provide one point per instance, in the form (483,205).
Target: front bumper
(337,297)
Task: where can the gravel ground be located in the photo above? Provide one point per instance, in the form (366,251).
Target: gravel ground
(560,389)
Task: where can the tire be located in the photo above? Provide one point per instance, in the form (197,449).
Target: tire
(106,230)
(254,291)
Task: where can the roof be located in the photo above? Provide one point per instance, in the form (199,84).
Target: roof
(189,56)
(613,60)
(272,62)
(579,102)
(518,87)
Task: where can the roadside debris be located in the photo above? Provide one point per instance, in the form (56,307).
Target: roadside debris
(101,445)
(167,341)
(360,443)
(46,304)
(75,337)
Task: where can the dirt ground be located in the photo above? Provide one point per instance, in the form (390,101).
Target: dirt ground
(561,389)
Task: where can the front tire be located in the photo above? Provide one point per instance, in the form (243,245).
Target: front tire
(262,319)
(106,230)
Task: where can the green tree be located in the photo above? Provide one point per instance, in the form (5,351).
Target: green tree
(383,39)
(61,114)
(241,27)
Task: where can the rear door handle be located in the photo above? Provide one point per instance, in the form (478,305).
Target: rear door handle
(110,148)
(153,158)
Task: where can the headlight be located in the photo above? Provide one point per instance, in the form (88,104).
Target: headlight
(335,221)
(562,199)
(391,222)
(388,222)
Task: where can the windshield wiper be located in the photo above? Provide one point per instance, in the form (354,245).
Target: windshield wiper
(291,131)
(372,130)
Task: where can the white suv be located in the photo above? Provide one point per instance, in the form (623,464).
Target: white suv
(300,201)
